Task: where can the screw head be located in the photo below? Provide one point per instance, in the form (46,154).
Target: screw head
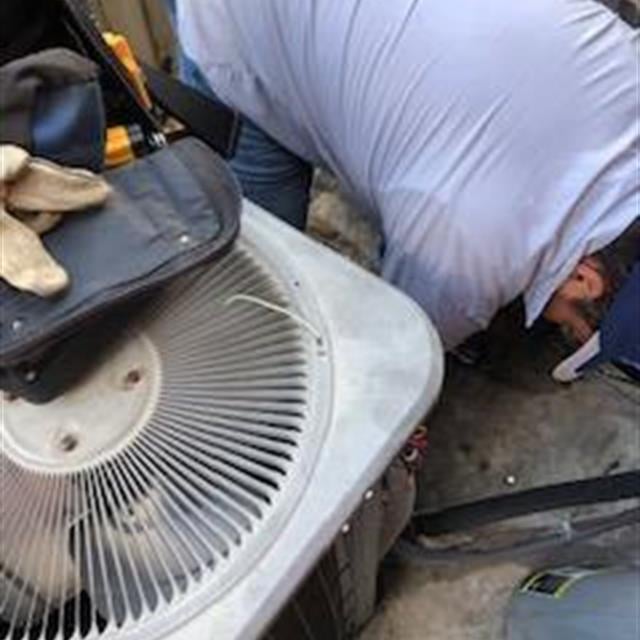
(69,443)
(132,378)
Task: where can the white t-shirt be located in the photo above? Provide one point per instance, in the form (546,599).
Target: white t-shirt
(496,141)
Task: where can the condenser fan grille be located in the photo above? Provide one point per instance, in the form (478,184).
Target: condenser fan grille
(155,481)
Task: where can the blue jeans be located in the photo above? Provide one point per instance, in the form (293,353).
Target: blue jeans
(270,175)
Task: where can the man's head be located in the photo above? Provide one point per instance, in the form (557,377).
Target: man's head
(583,300)
(598,307)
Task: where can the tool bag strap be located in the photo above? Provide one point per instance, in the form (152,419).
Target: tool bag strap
(195,110)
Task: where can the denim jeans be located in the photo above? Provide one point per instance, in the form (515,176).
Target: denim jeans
(270,175)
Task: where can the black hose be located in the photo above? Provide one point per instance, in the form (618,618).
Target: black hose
(417,554)
(604,489)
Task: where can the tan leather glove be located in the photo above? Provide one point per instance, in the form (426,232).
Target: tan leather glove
(33,194)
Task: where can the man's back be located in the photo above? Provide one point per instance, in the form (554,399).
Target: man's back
(479,136)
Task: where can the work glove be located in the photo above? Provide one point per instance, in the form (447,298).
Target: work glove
(34,193)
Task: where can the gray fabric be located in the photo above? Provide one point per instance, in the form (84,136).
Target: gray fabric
(170,212)
(69,126)
(22,80)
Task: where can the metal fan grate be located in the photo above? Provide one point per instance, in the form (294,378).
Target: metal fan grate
(146,487)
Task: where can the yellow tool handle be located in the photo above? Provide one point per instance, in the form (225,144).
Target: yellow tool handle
(124,144)
(121,47)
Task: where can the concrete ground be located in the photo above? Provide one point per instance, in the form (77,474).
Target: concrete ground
(501,425)
(490,427)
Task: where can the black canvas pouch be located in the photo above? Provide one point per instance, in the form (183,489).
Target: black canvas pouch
(170,212)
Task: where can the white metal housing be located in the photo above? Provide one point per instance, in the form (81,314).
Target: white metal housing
(354,366)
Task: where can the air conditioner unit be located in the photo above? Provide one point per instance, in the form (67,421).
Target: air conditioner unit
(203,468)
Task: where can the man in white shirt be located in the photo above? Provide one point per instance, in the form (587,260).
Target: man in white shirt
(495,143)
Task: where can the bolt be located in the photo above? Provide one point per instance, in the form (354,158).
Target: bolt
(31,376)
(17,324)
(132,378)
(346,527)
(68,443)
(369,495)
(185,238)
(511,481)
